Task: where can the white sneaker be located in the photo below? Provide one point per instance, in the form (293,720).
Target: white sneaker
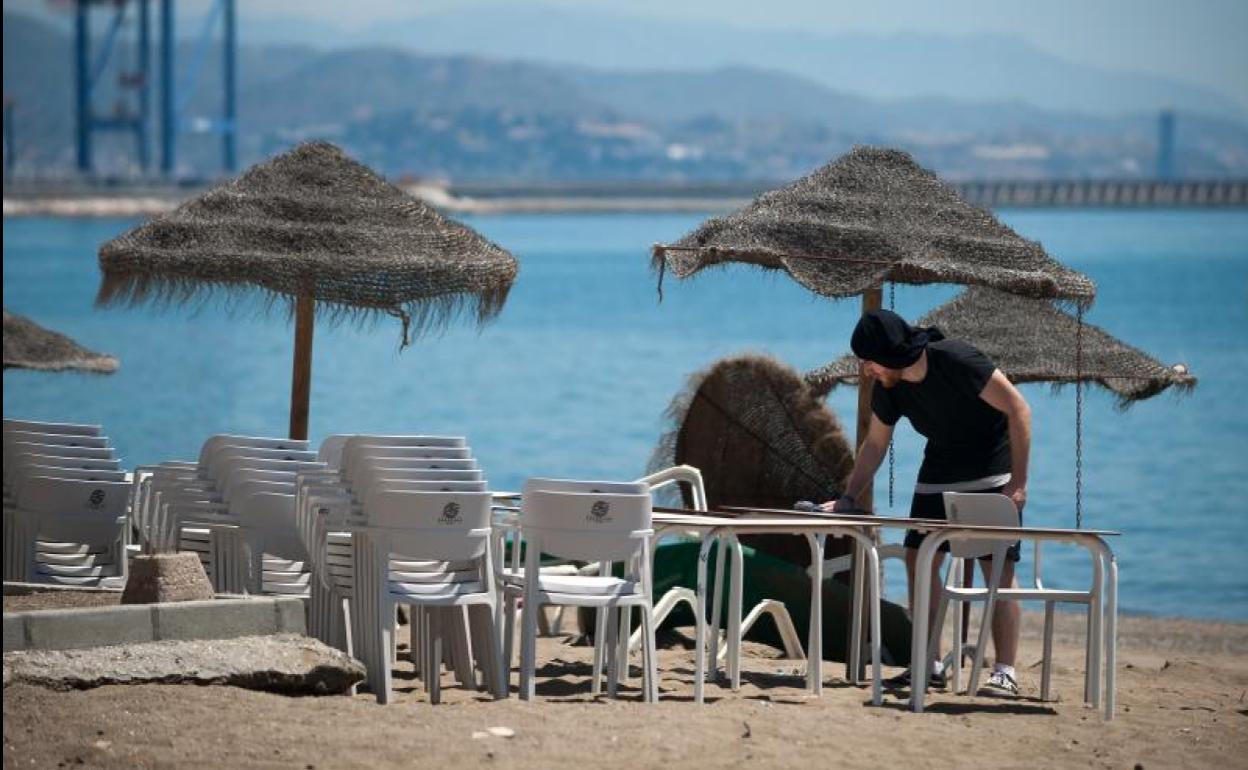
(1000,683)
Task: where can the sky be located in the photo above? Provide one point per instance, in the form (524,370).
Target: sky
(1197,41)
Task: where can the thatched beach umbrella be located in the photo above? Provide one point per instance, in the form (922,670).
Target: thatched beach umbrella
(313,226)
(1033,341)
(27,345)
(871,216)
(760,437)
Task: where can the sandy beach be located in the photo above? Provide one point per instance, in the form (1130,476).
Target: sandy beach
(1183,702)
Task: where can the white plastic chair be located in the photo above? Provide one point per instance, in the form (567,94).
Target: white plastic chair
(69,531)
(428,550)
(593,521)
(979,509)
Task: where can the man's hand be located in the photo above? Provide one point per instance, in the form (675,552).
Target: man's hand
(1017,493)
(840,505)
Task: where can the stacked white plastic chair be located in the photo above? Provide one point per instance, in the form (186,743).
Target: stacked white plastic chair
(334,503)
(65,505)
(425,549)
(604,522)
(195,506)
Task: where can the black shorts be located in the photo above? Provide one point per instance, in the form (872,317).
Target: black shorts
(932,506)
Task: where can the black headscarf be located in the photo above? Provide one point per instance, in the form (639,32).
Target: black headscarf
(884,337)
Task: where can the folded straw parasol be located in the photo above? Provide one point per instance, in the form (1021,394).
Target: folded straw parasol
(761,439)
(306,227)
(27,345)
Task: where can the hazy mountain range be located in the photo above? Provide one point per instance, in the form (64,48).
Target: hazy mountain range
(419,99)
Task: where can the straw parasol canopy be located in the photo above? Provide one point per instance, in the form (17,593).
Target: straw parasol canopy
(760,438)
(313,226)
(1033,341)
(874,215)
(27,345)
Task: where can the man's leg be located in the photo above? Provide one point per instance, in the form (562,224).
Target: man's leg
(1006,618)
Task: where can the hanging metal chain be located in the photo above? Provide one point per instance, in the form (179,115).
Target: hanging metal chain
(1079,421)
(892,460)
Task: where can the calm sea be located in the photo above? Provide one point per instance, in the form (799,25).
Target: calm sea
(573,378)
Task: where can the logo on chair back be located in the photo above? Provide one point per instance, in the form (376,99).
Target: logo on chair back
(598,512)
(450,514)
(96,498)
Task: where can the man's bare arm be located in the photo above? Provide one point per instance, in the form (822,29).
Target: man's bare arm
(866,463)
(1001,394)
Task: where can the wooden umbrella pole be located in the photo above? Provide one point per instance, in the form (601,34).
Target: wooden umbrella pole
(301,379)
(872,299)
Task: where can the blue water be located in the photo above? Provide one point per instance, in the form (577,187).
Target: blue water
(572,379)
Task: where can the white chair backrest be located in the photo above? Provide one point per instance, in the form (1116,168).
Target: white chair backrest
(594,521)
(93,453)
(256,442)
(352,461)
(51,495)
(55,439)
(433,525)
(387,467)
(241,477)
(237,465)
(332,448)
(228,453)
(81,474)
(267,505)
(979,510)
(538,484)
(22,464)
(64,428)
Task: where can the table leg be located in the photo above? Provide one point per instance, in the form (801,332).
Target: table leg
(700,628)
(735,578)
(919,618)
(1111,639)
(814,655)
(853,663)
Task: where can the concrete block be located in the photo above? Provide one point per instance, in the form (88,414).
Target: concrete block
(292,615)
(88,627)
(14,632)
(218,619)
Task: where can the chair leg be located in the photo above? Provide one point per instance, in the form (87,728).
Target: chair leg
(528,645)
(959,612)
(994,583)
(509,633)
(621,640)
(649,655)
(433,676)
(612,650)
(382,658)
(498,679)
(1046,663)
(600,640)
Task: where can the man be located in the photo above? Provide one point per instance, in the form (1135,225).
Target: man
(978,430)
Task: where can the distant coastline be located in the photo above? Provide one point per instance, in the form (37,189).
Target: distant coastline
(68,199)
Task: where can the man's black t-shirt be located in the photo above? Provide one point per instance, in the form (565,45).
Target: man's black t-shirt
(967,439)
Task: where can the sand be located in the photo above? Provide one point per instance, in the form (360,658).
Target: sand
(1182,703)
